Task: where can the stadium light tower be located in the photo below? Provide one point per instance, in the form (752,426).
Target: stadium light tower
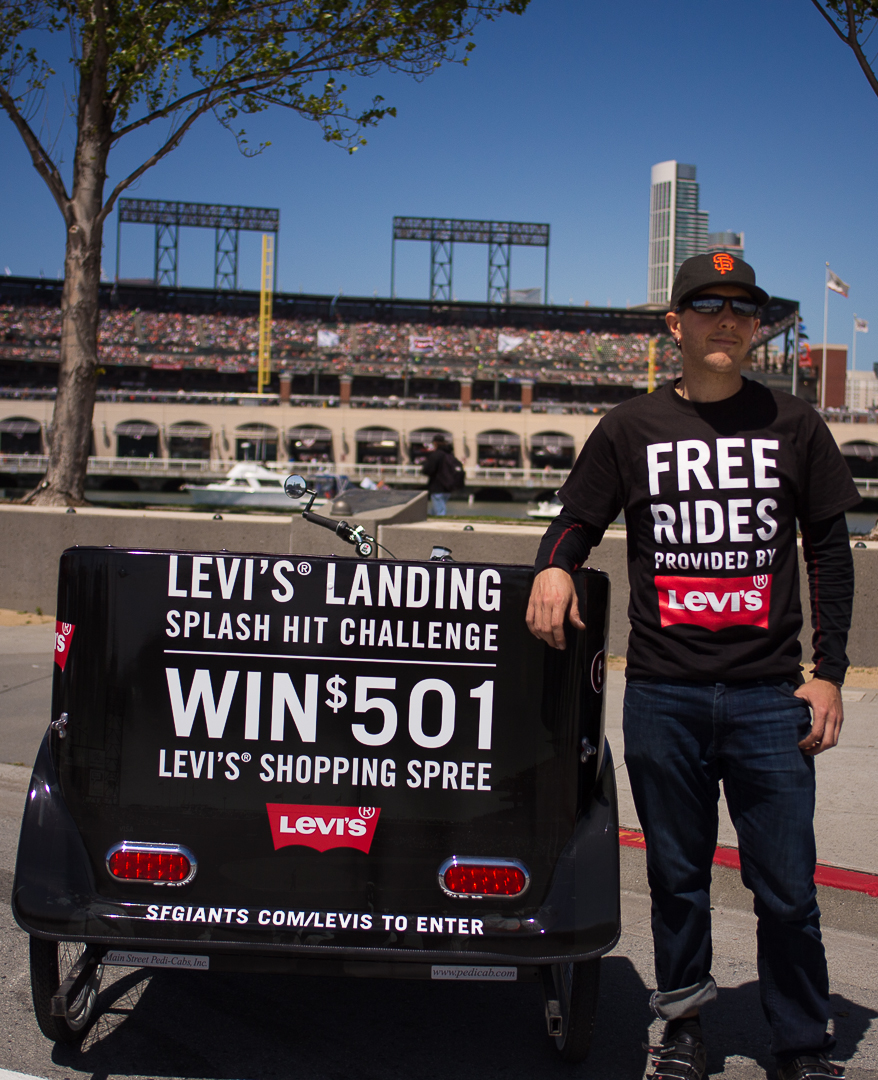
(443,233)
(168,218)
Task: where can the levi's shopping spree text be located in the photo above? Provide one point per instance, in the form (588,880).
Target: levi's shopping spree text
(321,733)
(712,493)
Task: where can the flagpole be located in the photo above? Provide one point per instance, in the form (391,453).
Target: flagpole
(825,337)
(795,386)
(854,357)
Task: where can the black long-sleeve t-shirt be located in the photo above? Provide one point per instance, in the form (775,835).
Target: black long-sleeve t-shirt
(567,544)
(712,493)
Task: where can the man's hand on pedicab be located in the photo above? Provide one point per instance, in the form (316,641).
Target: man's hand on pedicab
(552,599)
(824,697)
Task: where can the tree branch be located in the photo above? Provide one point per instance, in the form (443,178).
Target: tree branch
(830,20)
(163,151)
(40,158)
(325,65)
(188,41)
(857,48)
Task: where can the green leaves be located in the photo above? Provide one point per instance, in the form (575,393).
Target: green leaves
(160,58)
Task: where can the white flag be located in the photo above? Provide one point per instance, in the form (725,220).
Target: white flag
(327,339)
(835,283)
(860,326)
(508,343)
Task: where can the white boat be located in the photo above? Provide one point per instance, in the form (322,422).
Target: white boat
(250,486)
(549,508)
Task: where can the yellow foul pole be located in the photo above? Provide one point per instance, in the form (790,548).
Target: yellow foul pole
(265,299)
(650,370)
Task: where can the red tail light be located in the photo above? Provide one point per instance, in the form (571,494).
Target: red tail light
(472,878)
(157,864)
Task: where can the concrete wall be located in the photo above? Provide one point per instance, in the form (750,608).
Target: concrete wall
(32,539)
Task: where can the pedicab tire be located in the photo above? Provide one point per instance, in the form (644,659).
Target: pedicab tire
(579,983)
(49,963)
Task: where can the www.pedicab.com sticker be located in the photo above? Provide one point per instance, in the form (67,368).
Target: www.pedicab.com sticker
(466,973)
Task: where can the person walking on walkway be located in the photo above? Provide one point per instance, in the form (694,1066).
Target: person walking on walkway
(440,467)
(713,472)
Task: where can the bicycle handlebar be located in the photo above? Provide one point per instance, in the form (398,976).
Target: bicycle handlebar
(357,536)
(340,528)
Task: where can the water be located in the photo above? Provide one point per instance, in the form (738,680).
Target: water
(861,522)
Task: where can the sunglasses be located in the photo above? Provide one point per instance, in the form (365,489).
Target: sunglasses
(713,305)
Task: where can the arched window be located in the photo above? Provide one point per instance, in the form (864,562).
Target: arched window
(862,458)
(498,450)
(377,446)
(551,450)
(256,442)
(189,440)
(310,445)
(137,438)
(20,435)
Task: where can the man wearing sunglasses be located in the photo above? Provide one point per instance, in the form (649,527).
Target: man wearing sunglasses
(713,473)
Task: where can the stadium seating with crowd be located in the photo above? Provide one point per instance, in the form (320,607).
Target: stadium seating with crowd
(228,343)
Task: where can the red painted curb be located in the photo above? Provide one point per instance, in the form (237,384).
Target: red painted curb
(834,877)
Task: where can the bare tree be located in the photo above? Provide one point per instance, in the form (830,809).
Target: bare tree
(163,64)
(854,21)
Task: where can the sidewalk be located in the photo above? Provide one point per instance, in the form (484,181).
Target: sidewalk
(846,822)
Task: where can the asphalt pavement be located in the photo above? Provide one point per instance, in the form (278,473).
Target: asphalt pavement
(26,658)
(199,1025)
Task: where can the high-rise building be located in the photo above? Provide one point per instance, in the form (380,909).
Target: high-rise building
(732,242)
(677,228)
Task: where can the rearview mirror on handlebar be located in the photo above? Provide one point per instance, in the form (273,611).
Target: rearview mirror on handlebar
(295,486)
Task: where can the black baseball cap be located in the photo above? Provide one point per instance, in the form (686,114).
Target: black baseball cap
(720,268)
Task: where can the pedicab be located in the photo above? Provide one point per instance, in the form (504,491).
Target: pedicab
(280,763)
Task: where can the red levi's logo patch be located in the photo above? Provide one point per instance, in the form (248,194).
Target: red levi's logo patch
(63,634)
(322,827)
(715,603)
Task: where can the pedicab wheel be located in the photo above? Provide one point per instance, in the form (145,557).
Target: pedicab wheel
(50,963)
(577,985)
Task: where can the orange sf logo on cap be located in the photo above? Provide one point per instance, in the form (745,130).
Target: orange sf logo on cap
(724,263)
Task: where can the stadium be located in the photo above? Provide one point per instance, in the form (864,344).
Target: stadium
(359,385)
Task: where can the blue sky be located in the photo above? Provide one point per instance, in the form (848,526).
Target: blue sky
(558,118)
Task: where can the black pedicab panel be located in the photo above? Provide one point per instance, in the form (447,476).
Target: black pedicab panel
(322,735)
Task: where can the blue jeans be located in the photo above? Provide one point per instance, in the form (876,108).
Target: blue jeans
(439,499)
(681,739)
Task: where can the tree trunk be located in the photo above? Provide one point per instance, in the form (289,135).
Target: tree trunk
(71,432)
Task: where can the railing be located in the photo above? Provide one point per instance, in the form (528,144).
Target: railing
(320,401)
(216,469)
(116,466)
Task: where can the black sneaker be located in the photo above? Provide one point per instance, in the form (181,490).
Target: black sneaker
(681,1054)
(806,1066)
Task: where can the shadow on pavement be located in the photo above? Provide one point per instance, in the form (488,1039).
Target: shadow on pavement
(184,1024)
(735,1026)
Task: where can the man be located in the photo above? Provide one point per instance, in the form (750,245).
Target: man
(438,466)
(712,472)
